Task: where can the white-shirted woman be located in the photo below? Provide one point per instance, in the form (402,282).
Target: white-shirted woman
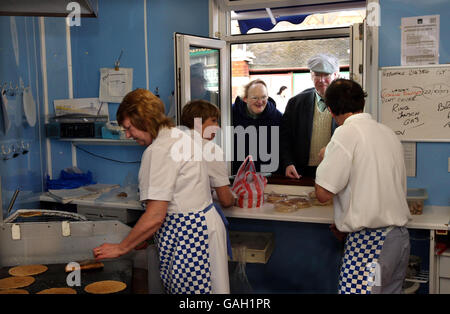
(202,119)
(179,208)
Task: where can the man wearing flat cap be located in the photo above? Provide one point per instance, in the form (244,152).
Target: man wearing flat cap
(306,126)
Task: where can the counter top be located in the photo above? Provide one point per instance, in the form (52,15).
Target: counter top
(432,218)
(93,202)
(314,214)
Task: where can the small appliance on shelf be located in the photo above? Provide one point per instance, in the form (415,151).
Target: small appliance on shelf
(75,126)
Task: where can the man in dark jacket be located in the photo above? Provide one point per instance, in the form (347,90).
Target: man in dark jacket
(306,125)
(256,120)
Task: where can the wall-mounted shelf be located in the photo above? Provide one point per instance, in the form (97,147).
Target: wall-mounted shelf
(98,141)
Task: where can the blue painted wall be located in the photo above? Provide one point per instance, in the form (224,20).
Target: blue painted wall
(25,170)
(57,86)
(97,43)
(165,18)
(432,158)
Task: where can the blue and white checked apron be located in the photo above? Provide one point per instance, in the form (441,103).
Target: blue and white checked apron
(362,249)
(184,253)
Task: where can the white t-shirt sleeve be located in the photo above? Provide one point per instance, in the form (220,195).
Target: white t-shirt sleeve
(333,172)
(218,174)
(157,176)
(217,168)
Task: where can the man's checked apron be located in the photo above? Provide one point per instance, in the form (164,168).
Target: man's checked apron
(184,253)
(359,266)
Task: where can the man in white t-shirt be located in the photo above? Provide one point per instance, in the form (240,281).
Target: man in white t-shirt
(363,171)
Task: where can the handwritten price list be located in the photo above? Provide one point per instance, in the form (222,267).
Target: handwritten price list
(415,102)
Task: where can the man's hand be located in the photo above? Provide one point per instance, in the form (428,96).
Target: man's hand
(291,172)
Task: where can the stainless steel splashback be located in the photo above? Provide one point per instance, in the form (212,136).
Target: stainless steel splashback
(60,242)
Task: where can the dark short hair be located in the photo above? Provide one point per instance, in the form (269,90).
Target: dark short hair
(198,109)
(343,96)
(282,88)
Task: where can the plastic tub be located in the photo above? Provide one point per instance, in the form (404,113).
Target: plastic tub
(415,199)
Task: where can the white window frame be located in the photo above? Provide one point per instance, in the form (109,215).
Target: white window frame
(364,45)
(364,52)
(182,93)
(261,4)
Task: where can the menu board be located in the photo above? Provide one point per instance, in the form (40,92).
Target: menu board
(415,102)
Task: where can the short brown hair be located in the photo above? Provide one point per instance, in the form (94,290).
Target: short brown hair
(198,109)
(145,111)
(250,84)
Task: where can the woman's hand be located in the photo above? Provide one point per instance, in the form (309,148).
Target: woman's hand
(150,221)
(108,250)
(142,246)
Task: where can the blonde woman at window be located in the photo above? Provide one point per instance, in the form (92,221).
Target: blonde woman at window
(256,109)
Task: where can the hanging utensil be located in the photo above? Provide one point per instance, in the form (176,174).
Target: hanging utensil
(14,38)
(4,112)
(25,147)
(13,200)
(19,104)
(29,106)
(6,153)
(117,63)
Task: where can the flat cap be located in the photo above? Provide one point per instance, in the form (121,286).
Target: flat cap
(323,63)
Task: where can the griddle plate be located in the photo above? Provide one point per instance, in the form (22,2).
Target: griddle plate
(55,276)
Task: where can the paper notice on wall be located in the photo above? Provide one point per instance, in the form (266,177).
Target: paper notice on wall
(420,40)
(115,84)
(409,151)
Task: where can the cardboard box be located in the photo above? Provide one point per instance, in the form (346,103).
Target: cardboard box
(258,246)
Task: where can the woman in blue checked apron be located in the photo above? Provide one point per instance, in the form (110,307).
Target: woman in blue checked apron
(363,171)
(202,119)
(190,233)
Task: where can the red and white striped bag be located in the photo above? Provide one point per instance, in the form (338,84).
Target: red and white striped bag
(249,185)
